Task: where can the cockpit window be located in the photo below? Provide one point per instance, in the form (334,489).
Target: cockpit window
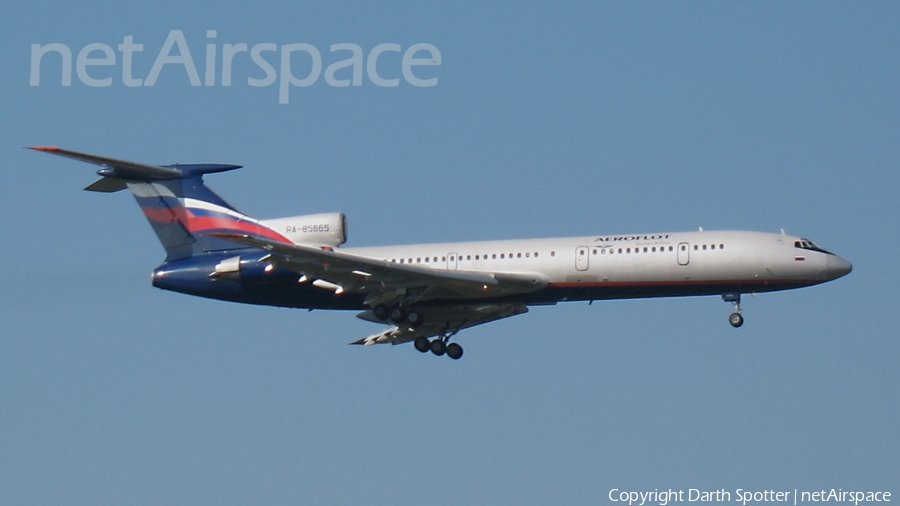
(807,244)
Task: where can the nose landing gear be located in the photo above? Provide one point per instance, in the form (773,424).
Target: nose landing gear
(735,319)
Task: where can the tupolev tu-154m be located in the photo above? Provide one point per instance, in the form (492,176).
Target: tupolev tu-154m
(427,293)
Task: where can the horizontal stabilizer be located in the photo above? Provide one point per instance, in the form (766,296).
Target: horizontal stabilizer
(107,185)
(196,169)
(125,170)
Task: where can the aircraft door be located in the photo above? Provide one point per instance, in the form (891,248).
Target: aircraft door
(582,258)
(452,259)
(684,253)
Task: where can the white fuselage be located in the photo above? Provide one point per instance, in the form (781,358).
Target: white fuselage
(647,265)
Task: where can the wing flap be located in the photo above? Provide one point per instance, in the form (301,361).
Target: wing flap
(441,321)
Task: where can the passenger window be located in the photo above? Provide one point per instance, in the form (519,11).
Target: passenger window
(535,254)
(695,247)
(494,256)
(528,255)
(704,247)
(645,249)
(520,255)
(721,246)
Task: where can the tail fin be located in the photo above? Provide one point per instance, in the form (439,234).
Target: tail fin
(183,211)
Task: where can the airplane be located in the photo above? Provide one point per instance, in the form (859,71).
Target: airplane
(428,293)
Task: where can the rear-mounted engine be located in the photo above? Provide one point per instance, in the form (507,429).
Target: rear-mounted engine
(327,229)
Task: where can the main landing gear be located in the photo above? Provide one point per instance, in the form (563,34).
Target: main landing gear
(735,319)
(398,314)
(439,346)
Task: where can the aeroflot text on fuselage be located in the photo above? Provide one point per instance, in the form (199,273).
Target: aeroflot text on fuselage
(345,69)
(655,237)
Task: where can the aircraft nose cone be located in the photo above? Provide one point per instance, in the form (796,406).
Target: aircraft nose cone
(838,267)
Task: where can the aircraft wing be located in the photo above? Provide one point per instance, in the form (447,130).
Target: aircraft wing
(441,321)
(385,281)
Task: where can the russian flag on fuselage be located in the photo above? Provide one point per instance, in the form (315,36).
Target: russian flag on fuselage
(184,211)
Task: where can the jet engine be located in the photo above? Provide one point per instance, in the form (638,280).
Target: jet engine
(326,229)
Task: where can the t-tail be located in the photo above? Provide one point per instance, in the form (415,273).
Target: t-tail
(184,213)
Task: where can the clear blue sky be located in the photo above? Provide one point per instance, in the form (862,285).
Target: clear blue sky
(546,120)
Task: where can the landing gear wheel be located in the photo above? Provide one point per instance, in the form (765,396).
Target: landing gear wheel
(736,320)
(438,347)
(454,351)
(422,344)
(398,315)
(414,318)
(381,312)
